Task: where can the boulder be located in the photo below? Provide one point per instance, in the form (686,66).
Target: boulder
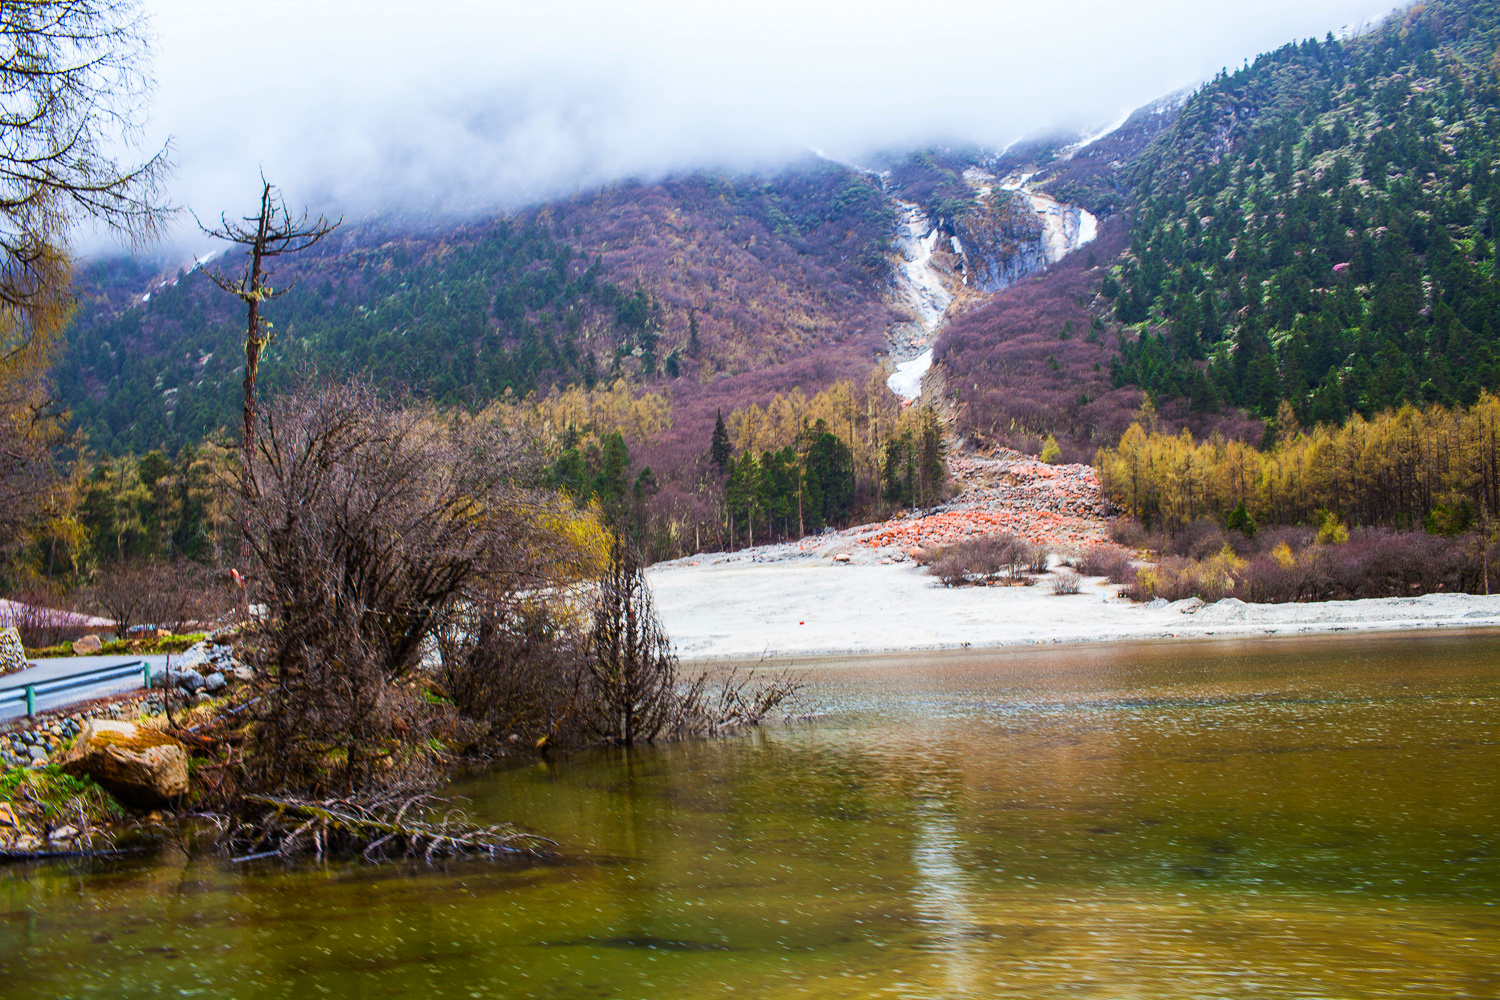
(192,658)
(214,683)
(141,767)
(188,680)
(12,653)
(88,645)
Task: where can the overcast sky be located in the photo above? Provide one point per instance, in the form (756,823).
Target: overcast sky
(468,107)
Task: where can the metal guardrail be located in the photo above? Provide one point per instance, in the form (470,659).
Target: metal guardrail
(28,694)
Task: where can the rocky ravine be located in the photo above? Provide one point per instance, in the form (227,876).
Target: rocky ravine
(1012,232)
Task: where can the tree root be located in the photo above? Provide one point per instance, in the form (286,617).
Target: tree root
(391,828)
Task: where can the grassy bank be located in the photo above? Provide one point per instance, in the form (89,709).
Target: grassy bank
(125,647)
(43,809)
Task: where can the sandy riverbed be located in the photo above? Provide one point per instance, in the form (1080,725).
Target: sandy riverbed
(783,601)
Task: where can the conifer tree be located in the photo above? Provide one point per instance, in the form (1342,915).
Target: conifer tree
(719,449)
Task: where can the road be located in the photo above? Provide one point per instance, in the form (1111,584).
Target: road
(70,666)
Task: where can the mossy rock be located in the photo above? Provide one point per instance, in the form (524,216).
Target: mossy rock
(141,767)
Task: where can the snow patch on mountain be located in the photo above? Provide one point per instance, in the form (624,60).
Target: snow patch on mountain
(920,287)
(921,283)
(1065,228)
(906,380)
(1089,140)
(993,262)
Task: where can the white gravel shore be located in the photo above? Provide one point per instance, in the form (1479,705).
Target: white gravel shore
(791,604)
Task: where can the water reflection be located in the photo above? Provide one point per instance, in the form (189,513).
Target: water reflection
(1252,819)
(940,889)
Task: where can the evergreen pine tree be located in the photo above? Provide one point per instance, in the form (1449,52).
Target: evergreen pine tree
(719,449)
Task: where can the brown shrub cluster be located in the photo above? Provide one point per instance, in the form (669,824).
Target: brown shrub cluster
(1114,564)
(377,530)
(988,559)
(1281,565)
(427,604)
(177,596)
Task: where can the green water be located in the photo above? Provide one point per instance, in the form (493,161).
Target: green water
(1297,818)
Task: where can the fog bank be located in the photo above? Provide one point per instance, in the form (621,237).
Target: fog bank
(466,108)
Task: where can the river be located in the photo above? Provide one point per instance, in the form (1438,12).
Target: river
(1311,817)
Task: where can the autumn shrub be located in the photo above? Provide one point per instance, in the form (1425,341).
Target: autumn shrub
(1331,530)
(1067,583)
(987,559)
(1176,578)
(1289,564)
(1114,564)
(1129,532)
(952,570)
(1038,558)
(1198,539)
(1269,579)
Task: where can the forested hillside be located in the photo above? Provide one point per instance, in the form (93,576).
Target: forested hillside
(1318,226)
(696,280)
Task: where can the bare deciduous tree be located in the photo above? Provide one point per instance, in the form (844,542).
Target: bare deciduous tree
(73,88)
(378,529)
(163,595)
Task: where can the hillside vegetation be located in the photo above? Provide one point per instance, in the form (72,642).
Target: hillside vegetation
(1304,240)
(695,279)
(1317,227)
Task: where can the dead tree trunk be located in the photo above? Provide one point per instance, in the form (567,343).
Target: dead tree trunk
(271,232)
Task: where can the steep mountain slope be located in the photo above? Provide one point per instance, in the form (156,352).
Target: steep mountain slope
(1317,227)
(716,291)
(1033,360)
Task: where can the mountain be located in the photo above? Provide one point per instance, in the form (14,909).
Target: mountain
(1315,228)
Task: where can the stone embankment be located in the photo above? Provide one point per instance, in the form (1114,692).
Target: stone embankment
(202,672)
(35,743)
(12,653)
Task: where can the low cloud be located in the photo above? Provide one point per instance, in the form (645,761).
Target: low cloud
(460,108)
